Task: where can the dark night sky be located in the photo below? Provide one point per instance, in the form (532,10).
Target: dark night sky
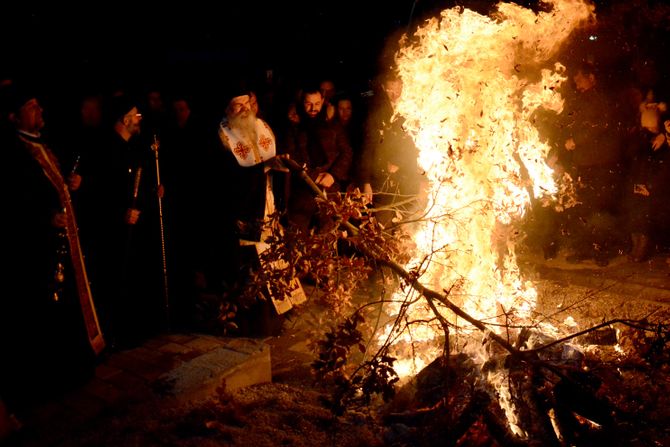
(197,42)
(342,36)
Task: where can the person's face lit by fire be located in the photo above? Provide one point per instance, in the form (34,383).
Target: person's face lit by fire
(666,124)
(253,103)
(181,112)
(327,90)
(293,114)
(239,107)
(584,81)
(132,121)
(312,104)
(241,117)
(344,110)
(91,111)
(155,101)
(393,89)
(29,117)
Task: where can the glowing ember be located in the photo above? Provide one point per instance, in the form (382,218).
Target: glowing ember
(471,84)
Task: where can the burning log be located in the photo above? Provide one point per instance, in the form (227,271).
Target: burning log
(557,405)
(461,409)
(450,405)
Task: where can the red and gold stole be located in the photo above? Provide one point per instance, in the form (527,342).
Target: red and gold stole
(47,160)
(249,154)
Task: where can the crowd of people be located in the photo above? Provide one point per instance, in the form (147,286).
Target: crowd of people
(613,143)
(123,213)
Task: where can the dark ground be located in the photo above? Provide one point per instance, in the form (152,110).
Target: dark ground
(290,410)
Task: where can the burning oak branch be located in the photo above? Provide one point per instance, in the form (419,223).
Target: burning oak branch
(558,399)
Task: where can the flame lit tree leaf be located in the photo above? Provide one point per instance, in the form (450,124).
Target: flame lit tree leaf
(379,378)
(373,377)
(334,349)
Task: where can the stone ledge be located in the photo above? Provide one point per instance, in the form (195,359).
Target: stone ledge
(236,364)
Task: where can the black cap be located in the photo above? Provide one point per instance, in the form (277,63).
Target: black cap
(15,96)
(120,106)
(235,88)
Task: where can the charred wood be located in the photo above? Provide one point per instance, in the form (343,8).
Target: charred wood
(499,429)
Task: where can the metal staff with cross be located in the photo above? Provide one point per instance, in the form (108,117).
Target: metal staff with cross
(155,146)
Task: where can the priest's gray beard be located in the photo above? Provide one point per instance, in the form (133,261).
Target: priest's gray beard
(246,127)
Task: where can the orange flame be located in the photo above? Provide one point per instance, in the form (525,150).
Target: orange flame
(471,84)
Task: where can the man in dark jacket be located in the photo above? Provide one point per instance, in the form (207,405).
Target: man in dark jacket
(592,154)
(389,172)
(323,148)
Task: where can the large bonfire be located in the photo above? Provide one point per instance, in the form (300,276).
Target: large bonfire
(471,86)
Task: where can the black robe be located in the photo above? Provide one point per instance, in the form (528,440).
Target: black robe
(43,337)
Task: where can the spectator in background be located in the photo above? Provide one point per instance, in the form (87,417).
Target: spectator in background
(323,148)
(648,150)
(88,138)
(154,113)
(345,117)
(327,89)
(592,153)
(389,173)
(189,173)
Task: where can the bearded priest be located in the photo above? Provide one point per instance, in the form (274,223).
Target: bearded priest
(252,144)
